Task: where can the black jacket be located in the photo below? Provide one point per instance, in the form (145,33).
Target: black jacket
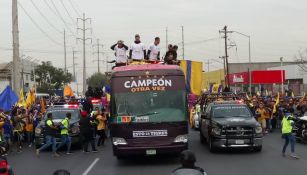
(86,127)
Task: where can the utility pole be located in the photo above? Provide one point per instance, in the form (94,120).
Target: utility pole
(74,64)
(65,58)
(182,31)
(224,30)
(83,39)
(98,54)
(16,59)
(166,39)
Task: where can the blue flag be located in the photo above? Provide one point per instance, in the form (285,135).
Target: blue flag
(7,99)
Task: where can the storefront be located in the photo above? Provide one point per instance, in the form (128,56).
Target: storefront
(262,81)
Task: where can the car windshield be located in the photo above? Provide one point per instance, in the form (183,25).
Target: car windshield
(158,106)
(227,111)
(61,114)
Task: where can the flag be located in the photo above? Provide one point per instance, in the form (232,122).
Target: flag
(193,75)
(43,107)
(68,91)
(29,100)
(276,103)
(21,100)
(215,89)
(7,99)
(292,94)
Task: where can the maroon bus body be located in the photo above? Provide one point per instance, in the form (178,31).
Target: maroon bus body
(160,144)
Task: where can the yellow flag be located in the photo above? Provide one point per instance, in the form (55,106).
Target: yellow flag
(28,100)
(292,94)
(276,103)
(21,100)
(43,107)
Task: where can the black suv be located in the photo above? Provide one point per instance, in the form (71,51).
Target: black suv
(230,124)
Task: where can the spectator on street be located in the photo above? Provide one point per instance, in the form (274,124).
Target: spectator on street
(50,132)
(87,133)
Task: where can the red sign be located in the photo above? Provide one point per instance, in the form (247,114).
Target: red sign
(238,78)
(268,76)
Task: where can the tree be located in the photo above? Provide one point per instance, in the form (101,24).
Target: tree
(50,78)
(97,80)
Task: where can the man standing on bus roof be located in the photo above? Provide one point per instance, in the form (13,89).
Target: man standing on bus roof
(120,52)
(137,49)
(153,53)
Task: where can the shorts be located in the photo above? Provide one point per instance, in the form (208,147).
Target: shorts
(263,123)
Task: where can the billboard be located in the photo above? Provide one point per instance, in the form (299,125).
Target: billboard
(268,76)
(238,78)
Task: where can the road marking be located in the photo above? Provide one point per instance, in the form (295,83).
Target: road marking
(91,166)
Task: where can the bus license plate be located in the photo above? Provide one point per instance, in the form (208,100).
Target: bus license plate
(151,152)
(239,142)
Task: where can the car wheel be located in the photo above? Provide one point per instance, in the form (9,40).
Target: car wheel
(258,149)
(212,148)
(202,138)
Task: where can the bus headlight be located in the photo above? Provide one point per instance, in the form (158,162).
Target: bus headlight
(181,139)
(258,130)
(119,141)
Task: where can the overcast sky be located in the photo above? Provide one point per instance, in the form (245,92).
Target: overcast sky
(277,27)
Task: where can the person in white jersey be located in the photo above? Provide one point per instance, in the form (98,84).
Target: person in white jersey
(137,49)
(120,53)
(153,53)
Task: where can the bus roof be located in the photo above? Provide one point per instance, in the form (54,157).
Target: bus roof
(137,70)
(145,67)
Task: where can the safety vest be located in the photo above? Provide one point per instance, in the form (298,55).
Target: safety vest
(286,125)
(65,123)
(49,131)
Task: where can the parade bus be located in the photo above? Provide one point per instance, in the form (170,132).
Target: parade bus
(148,110)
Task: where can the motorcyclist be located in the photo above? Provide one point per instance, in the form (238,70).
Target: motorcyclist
(187,160)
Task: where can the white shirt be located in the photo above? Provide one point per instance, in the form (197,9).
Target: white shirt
(121,55)
(154,51)
(137,51)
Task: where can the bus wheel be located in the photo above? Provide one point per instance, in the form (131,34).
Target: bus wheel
(120,157)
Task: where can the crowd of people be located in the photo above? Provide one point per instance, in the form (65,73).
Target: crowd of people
(17,127)
(139,52)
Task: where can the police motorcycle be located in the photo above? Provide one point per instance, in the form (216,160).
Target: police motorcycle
(187,160)
(300,128)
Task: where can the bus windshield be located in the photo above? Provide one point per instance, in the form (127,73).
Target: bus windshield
(157,106)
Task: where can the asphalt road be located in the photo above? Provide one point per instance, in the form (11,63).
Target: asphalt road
(268,162)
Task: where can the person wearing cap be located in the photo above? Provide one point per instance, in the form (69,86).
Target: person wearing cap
(153,53)
(137,49)
(187,160)
(287,124)
(120,53)
(87,132)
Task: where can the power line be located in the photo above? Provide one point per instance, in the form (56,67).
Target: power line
(46,19)
(37,26)
(51,9)
(75,9)
(61,17)
(71,18)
